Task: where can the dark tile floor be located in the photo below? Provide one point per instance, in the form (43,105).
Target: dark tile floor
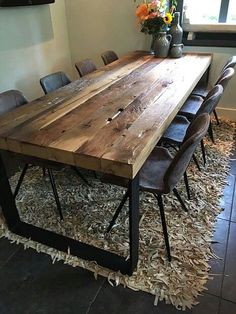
(30,283)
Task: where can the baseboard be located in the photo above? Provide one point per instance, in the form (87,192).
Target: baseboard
(228,113)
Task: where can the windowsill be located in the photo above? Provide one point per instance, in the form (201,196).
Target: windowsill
(210,28)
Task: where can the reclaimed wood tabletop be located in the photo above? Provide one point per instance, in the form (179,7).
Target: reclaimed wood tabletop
(109,120)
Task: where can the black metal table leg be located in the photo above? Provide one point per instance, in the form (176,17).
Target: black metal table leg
(85,251)
(7,200)
(134,222)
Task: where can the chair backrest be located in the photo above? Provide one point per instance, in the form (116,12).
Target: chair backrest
(211,101)
(230,63)
(85,67)
(109,56)
(54,81)
(225,76)
(181,160)
(10,100)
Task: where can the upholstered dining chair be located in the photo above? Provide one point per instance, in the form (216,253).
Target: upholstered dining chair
(176,132)
(53,81)
(194,102)
(161,172)
(203,87)
(10,100)
(109,56)
(85,67)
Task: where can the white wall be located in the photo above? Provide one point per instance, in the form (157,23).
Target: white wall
(99,25)
(33,43)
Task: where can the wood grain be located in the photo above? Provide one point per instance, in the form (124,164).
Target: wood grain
(111,119)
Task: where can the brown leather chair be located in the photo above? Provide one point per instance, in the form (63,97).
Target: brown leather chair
(109,56)
(161,172)
(85,67)
(10,100)
(53,81)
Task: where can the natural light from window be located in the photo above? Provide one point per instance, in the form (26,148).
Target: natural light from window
(232,12)
(208,12)
(202,11)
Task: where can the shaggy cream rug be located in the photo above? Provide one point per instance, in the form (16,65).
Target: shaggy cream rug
(88,210)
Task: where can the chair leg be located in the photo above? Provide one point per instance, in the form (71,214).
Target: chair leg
(216,116)
(174,147)
(187,185)
(196,162)
(80,175)
(180,199)
(210,131)
(118,210)
(203,152)
(20,180)
(44,172)
(51,177)
(164,227)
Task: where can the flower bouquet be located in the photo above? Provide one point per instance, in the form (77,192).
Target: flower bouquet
(155,16)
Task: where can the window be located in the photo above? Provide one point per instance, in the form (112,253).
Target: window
(209,22)
(231,17)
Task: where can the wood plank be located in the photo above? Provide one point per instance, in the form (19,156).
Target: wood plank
(142,135)
(76,125)
(110,121)
(58,103)
(118,133)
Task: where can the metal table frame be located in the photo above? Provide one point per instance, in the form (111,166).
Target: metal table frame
(62,243)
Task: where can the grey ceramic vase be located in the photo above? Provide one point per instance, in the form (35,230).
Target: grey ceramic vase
(176,50)
(162,45)
(176,30)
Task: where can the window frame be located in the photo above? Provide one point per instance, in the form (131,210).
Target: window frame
(202,36)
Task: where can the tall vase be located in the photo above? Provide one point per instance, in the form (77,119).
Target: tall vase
(176,30)
(162,45)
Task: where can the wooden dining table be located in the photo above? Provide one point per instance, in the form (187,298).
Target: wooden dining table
(108,121)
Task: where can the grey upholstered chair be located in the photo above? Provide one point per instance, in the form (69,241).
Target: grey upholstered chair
(176,132)
(194,102)
(109,56)
(231,63)
(85,67)
(10,100)
(52,82)
(161,172)
(203,87)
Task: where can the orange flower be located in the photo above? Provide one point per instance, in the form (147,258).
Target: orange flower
(142,11)
(152,15)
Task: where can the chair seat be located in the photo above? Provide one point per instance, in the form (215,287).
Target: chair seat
(201,90)
(158,162)
(191,106)
(176,130)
